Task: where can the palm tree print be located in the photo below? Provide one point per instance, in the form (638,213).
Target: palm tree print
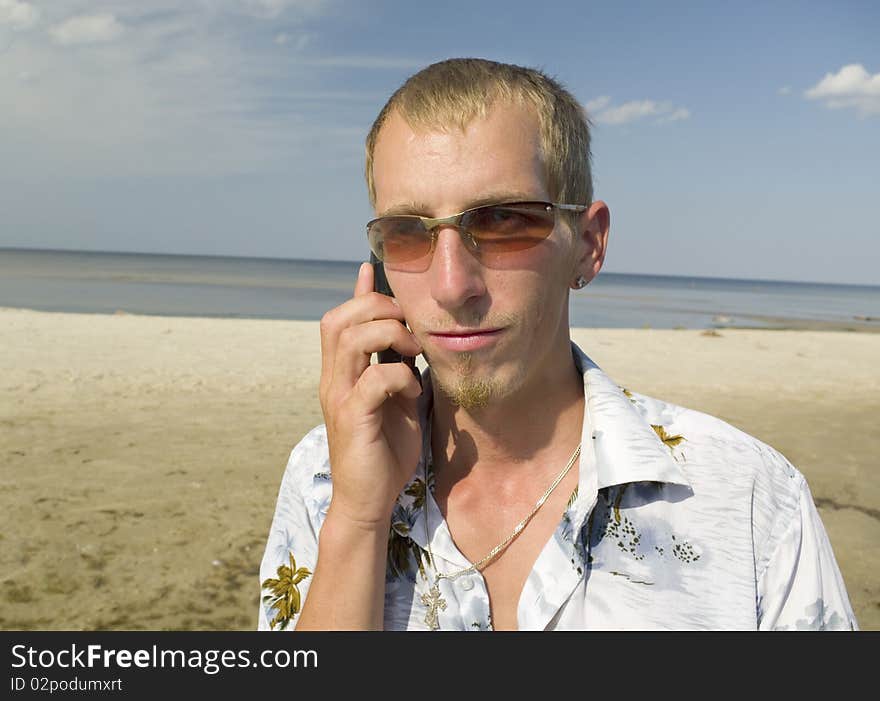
(669,441)
(285,596)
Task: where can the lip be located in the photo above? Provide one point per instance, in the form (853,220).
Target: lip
(466,339)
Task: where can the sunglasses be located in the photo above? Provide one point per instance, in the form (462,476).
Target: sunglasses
(406,242)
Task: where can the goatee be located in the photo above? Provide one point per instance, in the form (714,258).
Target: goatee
(465,390)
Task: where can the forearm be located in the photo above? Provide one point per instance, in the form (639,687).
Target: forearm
(348,586)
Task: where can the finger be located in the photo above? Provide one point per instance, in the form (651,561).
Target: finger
(378,383)
(412,390)
(365,280)
(358,310)
(358,343)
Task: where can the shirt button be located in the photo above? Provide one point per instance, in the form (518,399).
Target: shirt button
(467,584)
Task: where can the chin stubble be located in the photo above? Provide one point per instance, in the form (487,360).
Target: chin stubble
(466,391)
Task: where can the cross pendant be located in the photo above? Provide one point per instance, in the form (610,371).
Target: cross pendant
(433,601)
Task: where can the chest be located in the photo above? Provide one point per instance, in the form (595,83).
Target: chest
(514,532)
(633,563)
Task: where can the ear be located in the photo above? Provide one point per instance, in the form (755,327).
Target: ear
(591,242)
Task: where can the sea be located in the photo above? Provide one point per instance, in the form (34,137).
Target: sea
(269,288)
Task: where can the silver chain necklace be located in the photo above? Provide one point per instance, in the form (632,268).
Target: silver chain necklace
(433,600)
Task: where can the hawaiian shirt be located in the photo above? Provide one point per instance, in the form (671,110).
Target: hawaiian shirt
(679,521)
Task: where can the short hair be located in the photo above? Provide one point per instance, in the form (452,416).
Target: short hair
(456,91)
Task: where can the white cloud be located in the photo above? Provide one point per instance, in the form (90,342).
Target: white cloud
(785,90)
(18,15)
(628,112)
(849,80)
(193,89)
(634,110)
(275,8)
(678,115)
(298,43)
(851,87)
(87,29)
(600,103)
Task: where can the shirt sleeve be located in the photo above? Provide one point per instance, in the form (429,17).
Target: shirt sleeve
(292,547)
(801,588)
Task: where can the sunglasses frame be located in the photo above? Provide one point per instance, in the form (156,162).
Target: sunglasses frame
(431,224)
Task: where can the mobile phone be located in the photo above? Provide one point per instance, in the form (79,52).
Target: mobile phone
(380,285)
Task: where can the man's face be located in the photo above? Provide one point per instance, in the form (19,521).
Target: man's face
(487,332)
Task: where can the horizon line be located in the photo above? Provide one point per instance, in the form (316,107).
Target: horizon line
(352,262)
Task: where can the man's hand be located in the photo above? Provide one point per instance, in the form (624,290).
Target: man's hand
(373,430)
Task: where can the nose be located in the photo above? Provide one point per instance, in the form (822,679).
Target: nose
(456,276)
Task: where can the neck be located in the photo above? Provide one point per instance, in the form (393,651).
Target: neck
(540,421)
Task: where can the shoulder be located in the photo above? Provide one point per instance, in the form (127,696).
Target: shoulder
(710,442)
(729,469)
(310,456)
(307,476)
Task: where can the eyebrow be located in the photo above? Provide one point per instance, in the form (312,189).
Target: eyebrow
(420,208)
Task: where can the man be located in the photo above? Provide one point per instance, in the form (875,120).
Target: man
(555,499)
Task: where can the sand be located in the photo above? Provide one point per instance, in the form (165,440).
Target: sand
(142,455)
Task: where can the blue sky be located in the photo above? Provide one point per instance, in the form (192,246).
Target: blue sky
(731,139)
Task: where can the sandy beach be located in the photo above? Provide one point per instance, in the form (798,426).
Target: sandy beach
(142,455)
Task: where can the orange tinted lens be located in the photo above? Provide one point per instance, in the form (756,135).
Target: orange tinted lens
(399,242)
(502,229)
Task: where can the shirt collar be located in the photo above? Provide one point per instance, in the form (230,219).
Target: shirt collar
(625,448)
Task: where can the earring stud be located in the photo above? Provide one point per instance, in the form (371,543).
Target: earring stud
(581,282)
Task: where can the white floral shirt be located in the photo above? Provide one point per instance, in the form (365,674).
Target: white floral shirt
(679,521)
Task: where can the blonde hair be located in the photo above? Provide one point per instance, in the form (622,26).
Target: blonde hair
(456,91)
